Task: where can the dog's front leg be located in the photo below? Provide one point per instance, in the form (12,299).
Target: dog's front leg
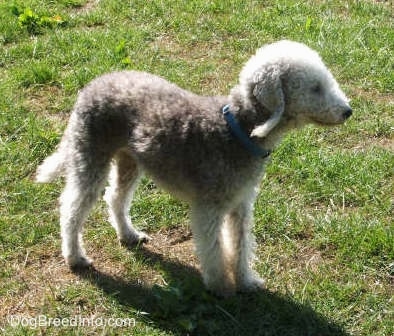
(238,229)
(206,225)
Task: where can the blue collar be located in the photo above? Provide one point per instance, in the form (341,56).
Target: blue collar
(245,140)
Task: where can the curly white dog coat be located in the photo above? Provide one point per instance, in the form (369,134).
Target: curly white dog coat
(128,123)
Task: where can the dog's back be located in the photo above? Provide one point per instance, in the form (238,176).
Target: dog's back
(165,128)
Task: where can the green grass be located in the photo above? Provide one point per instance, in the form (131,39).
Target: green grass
(324,218)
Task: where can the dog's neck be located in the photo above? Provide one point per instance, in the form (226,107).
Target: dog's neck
(250,113)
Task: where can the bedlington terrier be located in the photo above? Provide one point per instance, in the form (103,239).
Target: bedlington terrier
(209,151)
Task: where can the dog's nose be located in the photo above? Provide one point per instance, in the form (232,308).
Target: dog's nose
(348,113)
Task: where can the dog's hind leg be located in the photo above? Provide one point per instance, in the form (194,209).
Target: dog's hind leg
(206,224)
(85,179)
(123,180)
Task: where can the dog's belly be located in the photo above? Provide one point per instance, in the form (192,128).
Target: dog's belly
(206,181)
(175,179)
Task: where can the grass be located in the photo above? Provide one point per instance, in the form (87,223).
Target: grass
(324,219)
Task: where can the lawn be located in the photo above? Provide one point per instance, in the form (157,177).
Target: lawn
(324,217)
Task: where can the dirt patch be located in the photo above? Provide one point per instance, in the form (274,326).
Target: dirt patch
(39,275)
(303,258)
(166,43)
(386,144)
(88,6)
(373,95)
(308,258)
(370,142)
(175,244)
(45,101)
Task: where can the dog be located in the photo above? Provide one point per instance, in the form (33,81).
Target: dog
(207,150)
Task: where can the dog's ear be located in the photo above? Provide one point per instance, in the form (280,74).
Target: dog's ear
(268,92)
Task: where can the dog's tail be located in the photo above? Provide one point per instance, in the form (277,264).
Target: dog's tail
(54,165)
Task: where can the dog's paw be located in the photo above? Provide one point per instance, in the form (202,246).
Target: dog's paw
(251,284)
(221,288)
(134,239)
(221,291)
(79,262)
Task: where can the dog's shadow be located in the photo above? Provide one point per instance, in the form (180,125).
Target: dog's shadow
(184,307)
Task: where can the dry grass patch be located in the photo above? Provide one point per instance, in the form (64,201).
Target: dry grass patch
(41,277)
(47,101)
(86,7)
(174,243)
(372,95)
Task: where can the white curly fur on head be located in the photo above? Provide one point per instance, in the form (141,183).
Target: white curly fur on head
(260,77)
(282,52)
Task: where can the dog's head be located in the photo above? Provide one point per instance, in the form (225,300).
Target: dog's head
(289,80)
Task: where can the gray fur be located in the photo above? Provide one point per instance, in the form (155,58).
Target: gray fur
(128,123)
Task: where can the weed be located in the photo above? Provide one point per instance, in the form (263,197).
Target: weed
(121,52)
(34,23)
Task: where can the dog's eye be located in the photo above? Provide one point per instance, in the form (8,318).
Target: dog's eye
(316,89)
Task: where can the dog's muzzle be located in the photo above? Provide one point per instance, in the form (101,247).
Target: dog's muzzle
(347,113)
